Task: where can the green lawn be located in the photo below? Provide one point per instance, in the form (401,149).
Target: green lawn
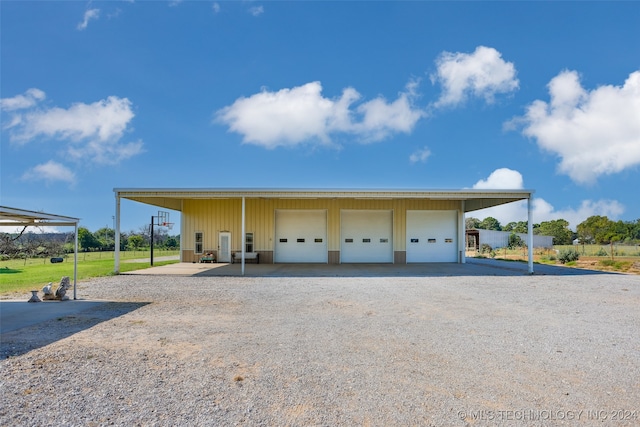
(32,274)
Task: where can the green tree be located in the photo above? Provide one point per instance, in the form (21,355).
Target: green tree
(87,240)
(559,229)
(490,223)
(471,223)
(515,241)
(596,229)
(172,243)
(135,242)
(106,237)
(517,227)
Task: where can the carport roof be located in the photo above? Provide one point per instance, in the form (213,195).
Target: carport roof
(172,198)
(22,217)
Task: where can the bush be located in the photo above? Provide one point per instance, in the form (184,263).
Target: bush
(568,255)
(515,241)
(485,248)
(601,252)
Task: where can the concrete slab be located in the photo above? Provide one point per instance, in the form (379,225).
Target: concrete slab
(15,315)
(473,267)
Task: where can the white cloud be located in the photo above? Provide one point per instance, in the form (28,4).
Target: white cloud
(482,74)
(594,133)
(91,131)
(50,172)
(500,179)
(420,155)
(88,15)
(541,210)
(256,10)
(301,114)
(215,7)
(108,152)
(101,120)
(19,102)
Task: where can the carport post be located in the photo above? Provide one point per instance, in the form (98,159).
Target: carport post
(462,233)
(75,262)
(530,233)
(243,237)
(116,256)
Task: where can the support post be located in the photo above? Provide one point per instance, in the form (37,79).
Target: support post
(152,240)
(530,233)
(243,237)
(462,233)
(75,263)
(116,267)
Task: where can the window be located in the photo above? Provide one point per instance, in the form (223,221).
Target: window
(348,240)
(283,240)
(366,240)
(248,242)
(318,240)
(199,242)
(448,240)
(300,240)
(431,240)
(384,240)
(415,240)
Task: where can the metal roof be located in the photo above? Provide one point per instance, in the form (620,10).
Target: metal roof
(22,217)
(171,198)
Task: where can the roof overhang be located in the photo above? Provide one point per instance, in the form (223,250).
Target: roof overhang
(20,217)
(172,198)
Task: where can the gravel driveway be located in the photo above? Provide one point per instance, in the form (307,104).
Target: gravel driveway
(453,351)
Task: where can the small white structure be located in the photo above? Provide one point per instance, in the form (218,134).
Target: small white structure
(500,239)
(13,217)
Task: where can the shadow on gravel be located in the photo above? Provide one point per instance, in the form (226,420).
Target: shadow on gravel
(473,267)
(28,326)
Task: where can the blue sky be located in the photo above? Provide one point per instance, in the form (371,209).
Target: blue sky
(431,95)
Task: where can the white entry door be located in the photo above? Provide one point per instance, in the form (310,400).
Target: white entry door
(224,247)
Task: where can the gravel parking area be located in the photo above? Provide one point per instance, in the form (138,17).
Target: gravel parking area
(327,351)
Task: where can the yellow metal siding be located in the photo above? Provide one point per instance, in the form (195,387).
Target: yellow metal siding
(215,215)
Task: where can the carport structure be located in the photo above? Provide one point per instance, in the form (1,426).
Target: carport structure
(13,217)
(330,226)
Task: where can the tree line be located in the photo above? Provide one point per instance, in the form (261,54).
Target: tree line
(594,230)
(27,244)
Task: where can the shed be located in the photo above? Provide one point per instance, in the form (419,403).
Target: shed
(500,239)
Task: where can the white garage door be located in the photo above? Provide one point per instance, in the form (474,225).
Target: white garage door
(301,236)
(432,236)
(366,236)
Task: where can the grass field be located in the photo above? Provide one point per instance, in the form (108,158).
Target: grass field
(34,273)
(625,258)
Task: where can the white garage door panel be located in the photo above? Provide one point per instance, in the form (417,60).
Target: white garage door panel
(301,236)
(432,236)
(366,236)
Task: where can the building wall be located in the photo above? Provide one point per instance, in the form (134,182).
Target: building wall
(215,215)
